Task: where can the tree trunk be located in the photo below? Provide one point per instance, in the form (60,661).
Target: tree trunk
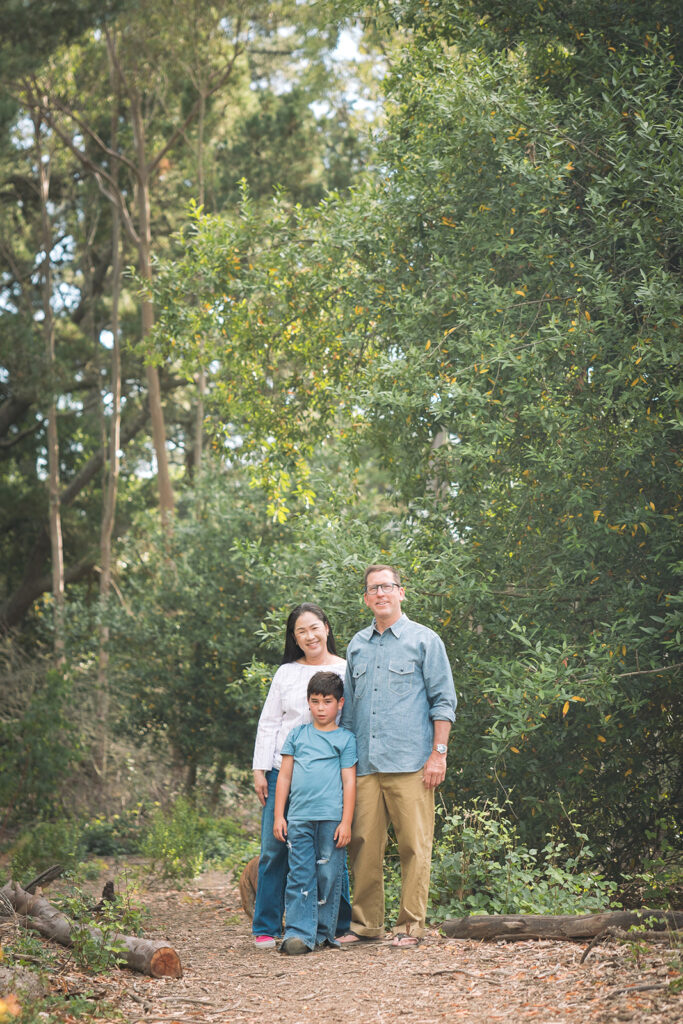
(217,784)
(166,499)
(113,463)
(56,546)
(201,376)
(568,927)
(156,959)
(110,495)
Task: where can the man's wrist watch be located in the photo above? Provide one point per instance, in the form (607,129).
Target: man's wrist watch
(440,748)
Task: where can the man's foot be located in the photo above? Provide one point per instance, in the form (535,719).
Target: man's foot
(350,938)
(404,941)
(294,947)
(264,942)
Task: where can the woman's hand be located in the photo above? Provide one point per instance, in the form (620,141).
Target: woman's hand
(261,786)
(280,828)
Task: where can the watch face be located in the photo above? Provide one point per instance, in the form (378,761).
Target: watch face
(441,748)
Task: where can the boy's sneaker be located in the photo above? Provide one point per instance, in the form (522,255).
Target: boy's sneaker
(264,942)
(294,947)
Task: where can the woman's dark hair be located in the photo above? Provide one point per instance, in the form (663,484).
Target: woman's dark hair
(292,651)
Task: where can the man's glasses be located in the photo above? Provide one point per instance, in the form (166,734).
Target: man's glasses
(385,588)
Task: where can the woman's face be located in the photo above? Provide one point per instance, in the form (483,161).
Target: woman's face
(311,635)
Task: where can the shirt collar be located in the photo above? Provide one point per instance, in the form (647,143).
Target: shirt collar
(396,628)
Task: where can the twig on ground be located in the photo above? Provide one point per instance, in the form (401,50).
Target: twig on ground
(459,970)
(636,988)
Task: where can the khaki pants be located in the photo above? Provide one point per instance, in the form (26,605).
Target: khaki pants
(402,799)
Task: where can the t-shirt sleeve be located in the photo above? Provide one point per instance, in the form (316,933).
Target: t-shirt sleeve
(289,746)
(349,754)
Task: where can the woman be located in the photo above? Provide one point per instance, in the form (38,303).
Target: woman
(309,648)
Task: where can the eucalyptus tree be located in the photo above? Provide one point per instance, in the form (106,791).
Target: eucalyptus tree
(191,114)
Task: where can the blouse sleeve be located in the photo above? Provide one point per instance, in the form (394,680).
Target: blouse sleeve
(268,726)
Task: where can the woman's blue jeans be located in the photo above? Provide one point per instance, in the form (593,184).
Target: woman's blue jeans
(269,907)
(314,882)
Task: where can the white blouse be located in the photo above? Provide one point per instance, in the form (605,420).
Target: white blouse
(286,706)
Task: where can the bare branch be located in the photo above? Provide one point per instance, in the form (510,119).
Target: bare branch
(181,129)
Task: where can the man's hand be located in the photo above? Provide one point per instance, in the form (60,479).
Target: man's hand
(434,771)
(342,834)
(280,828)
(261,786)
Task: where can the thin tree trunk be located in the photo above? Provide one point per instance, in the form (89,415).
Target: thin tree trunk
(114,443)
(110,495)
(201,376)
(56,545)
(218,780)
(166,499)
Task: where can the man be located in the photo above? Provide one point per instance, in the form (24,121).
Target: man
(400,703)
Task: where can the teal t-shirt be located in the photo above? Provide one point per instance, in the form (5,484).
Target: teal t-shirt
(316,791)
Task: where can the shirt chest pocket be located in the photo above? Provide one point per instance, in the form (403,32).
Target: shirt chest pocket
(401,675)
(360,680)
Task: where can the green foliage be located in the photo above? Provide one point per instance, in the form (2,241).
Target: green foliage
(24,948)
(47,843)
(193,605)
(96,939)
(181,840)
(174,842)
(39,744)
(511,276)
(392,881)
(659,882)
(481,866)
(119,834)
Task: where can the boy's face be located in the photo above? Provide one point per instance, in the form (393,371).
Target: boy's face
(324,709)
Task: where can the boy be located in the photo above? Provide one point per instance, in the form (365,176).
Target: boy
(319,767)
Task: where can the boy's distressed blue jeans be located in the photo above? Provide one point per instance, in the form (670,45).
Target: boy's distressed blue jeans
(314,882)
(272,875)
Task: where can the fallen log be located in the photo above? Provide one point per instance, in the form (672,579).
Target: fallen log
(248,880)
(146,956)
(44,878)
(567,927)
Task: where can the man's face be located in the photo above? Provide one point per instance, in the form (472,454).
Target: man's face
(385,603)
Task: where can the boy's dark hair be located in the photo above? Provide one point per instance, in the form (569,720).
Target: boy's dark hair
(327,684)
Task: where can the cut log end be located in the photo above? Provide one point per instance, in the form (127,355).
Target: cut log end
(165,963)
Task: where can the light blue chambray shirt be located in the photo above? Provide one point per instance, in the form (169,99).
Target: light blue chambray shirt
(397,683)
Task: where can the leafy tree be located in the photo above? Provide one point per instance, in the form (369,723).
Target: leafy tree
(189,625)
(39,743)
(61,73)
(513,270)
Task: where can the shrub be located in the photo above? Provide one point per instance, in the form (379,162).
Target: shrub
(481,866)
(179,842)
(47,843)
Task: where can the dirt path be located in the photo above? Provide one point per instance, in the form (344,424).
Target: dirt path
(226,980)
